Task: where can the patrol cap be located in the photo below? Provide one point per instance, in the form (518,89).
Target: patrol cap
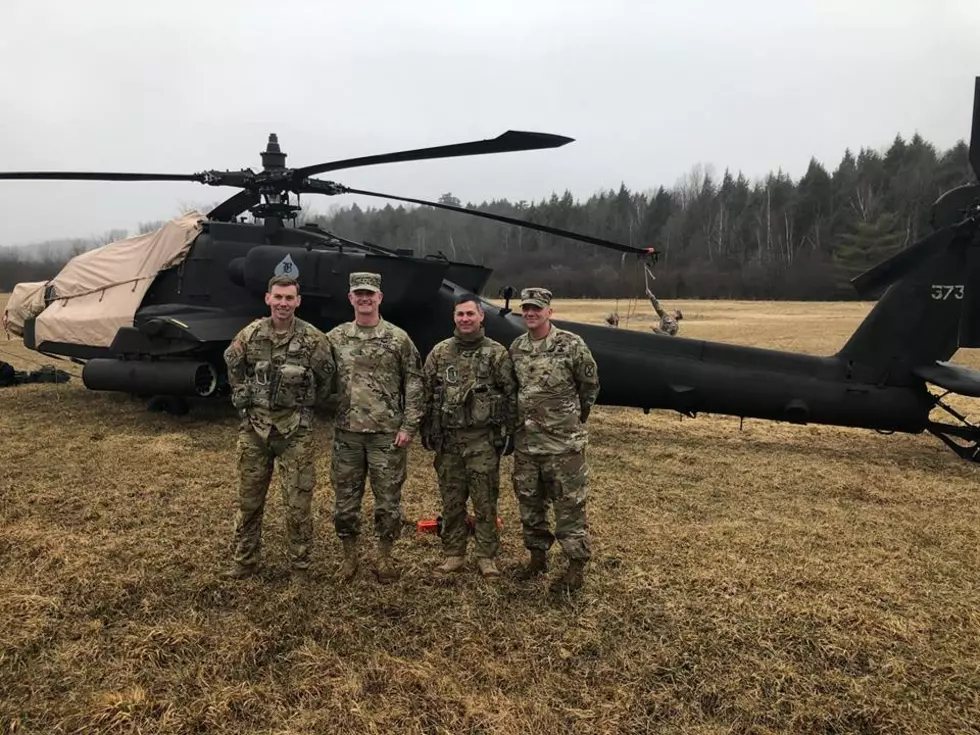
(364,281)
(540,297)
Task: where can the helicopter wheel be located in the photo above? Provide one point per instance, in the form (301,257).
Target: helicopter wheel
(174,405)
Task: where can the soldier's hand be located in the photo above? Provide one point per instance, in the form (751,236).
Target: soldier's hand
(508,446)
(402,439)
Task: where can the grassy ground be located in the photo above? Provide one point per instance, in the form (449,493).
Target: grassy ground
(765,580)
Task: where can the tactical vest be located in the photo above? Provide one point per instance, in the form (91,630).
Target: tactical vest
(466,395)
(279,376)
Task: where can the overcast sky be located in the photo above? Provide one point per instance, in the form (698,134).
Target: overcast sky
(648,89)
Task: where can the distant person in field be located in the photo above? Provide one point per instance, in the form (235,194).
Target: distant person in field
(612,319)
(668,322)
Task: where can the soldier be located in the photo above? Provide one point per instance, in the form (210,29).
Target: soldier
(668,322)
(278,367)
(379,406)
(557,386)
(469,422)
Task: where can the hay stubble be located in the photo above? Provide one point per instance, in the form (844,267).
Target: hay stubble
(770,579)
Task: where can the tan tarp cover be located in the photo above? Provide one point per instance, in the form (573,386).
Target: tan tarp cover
(26,300)
(98,292)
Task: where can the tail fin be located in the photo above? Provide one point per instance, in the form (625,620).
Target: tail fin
(918,319)
(930,307)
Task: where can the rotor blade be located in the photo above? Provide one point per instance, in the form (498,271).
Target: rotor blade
(903,262)
(311,187)
(234,206)
(510,141)
(975,132)
(95,176)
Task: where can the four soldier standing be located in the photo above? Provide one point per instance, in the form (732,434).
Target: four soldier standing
(469,423)
(479,402)
(278,367)
(380,404)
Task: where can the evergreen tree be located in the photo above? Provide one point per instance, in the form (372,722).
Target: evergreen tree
(869,243)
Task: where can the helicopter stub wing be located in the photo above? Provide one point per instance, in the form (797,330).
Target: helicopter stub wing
(171,329)
(955,378)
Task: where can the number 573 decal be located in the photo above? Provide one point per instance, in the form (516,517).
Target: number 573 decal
(941,292)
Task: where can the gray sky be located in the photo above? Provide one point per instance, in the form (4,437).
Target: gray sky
(648,89)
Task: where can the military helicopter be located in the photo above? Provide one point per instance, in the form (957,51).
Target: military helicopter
(169,340)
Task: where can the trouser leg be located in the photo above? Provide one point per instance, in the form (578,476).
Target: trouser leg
(532,501)
(348,469)
(298,474)
(483,482)
(451,471)
(567,479)
(388,467)
(255,463)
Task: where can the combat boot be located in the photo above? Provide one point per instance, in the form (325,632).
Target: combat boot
(487,567)
(451,564)
(348,569)
(537,566)
(572,579)
(386,567)
(237,571)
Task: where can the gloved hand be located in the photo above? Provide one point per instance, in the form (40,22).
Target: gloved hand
(507,445)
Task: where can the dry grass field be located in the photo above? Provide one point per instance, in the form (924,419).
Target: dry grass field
(773,579)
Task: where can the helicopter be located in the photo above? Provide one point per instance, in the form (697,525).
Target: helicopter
(211,271)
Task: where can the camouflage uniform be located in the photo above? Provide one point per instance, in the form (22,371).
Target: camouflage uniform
(668,325)
(558,384)
(379,393)
(470,411)
(275,380)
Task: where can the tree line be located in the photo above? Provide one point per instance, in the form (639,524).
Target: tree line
(718,237)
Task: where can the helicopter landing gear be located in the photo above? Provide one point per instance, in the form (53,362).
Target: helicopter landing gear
(173,405)
(965,432)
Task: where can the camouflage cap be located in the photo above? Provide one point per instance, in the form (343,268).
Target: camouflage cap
(540,297)
(365,281)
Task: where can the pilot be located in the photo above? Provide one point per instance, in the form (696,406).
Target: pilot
(668,322)
(469,422)
(380,403)
(278,368)
(557,386)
